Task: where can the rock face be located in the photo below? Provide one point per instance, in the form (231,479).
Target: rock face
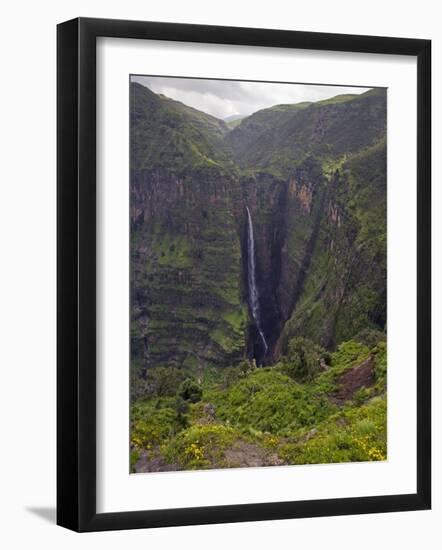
(286,214)
(344,287)
(187,307)
(314,179)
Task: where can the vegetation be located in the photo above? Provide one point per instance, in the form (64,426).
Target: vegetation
(280,138)
(314,178)
(271,412)
(304,359)
(190,390)
(168,133)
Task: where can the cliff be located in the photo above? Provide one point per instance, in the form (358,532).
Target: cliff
(186,298)
(314,178)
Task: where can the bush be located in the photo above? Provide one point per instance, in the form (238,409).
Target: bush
(201,446)
(190,390)
(231,375)
(134,456)
(380,354)
(370,337)
(358,434)
(164,381)
(304,359)
(269,401)
(152,426)
(349,354)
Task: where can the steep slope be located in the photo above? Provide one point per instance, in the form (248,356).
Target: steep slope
(308,183)
(286,214)
(332,128)
(313,176)
(167,133)
(345,287)
(187,308)
(250,129)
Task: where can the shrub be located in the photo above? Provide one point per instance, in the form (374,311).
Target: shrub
(348,354)
(269,401)
(370,337)
(190,390)
(380,354)
(358,434)
(134,456)
(304,359)
(152,426)
(201,446)
(233,374)
(164,381)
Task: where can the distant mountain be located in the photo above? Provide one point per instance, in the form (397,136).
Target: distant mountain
(278,138)
(167,133)
(252,127)
(313,176)
(233,120)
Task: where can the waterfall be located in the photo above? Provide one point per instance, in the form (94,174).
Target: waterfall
(251,279)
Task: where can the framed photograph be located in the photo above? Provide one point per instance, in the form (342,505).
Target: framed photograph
(243,274)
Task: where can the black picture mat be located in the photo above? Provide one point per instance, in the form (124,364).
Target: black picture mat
(76,274)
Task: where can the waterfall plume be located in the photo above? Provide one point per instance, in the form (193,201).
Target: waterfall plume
(251,280)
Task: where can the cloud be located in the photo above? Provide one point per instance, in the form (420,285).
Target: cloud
(223,98)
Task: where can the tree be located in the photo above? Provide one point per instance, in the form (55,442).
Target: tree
(304,359)
(190,390)
(164,381)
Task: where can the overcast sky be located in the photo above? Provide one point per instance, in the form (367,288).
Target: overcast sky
(223,98)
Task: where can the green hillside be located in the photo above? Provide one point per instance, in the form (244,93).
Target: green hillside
(280,138)
(167,133)
(205,392)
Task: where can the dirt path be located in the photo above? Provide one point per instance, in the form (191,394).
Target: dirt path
(243,454)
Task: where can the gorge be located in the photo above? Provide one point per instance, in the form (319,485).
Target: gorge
(244,238)
(252,289)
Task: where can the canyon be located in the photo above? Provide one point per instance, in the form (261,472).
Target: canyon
(244,238)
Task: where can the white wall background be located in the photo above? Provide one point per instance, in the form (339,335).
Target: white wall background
(27,289)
